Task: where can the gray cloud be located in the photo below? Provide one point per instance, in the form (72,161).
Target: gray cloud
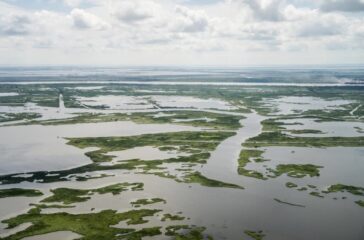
(342,5)
(270,12)
(15,25)
(319,28)
(132,12)
(265,10)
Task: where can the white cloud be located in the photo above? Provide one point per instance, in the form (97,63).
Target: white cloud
(191,21)
(82,19)
(72,3)
(133,11)
(145,29)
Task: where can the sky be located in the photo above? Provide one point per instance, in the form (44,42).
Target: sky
(181,32)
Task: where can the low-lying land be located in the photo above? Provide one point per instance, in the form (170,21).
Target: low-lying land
(19,192)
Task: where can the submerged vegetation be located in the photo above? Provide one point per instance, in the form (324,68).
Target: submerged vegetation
(256,235)
(291,185)
(291,204)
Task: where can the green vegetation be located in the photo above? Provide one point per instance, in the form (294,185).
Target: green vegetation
(316,194)
(198,144)
(305,131)
(19,192)
(69,195)
(171,217)
(249,155)
(146,201)
(359,129)
(281,139)
(291,185)
(272,124)
(360,203)
(91,226)
(291,204)
(185,232)
(192,118)
(345,188)
(196,177)
(201,140)
(8,117)
(256,235)
(45,206)
(296,170)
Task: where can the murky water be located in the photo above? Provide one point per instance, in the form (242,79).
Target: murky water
(116,102)
(8,94)
(37,147)
(64,235)
(329,129)
(290,105)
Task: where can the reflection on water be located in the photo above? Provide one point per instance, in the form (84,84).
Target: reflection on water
(290,105)
(116,102)
(64,235)
(191,102)
(329,129)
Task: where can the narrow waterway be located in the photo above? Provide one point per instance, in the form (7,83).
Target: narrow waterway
(223,163)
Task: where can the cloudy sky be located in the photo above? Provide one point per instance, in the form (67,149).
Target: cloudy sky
(175,32)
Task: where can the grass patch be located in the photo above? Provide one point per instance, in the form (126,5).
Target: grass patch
(296,170)
(8,117)
(196,177)
(95,226)
(191,118)
(171,217)
(249,155)
(19,192)
(146,201)
(186,141)
(345,188)
(69,195)
(281,139)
